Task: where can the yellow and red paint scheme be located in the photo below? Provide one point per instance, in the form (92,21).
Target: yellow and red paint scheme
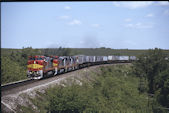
(36,63)
(55,64)
(38,66)
(35,67)
(55,61)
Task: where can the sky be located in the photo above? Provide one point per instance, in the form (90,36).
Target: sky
(116,25)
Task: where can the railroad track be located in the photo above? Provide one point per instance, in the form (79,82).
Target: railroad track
(20,83)
(15,84)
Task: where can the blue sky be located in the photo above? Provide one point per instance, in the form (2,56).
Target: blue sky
(117,25)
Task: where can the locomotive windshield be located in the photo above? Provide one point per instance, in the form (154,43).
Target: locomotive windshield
(32,58)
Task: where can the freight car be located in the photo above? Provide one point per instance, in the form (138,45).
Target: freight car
(43,66)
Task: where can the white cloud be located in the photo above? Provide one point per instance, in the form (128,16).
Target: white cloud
(166,12)
(149,15)
(95,25)
(117,4)
(140,4)
(129,25)
(64,17)
(132,5)
(128,20)
(163,3)
(67,7)
(138,25)
(75,22)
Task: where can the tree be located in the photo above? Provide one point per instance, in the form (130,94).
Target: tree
(67,100)
(155,68)
(46,53)
(150,65)
(66,51)
(163,91)
(11,70)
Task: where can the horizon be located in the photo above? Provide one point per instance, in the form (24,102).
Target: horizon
(89,48)
(115,25)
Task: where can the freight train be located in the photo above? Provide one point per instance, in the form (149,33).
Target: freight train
(42,66)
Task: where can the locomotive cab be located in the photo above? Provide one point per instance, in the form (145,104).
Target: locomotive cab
(35,67)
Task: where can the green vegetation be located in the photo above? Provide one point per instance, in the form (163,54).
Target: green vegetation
(57,51)
(114,90)
(95,51)
(14,63)
(11,71)
(84,51)
(154,68)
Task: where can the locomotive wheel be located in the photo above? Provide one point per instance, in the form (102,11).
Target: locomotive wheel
(65,70)
(53,73)
(43,76)
(59,71)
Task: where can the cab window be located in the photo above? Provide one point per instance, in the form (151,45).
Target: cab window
(31,58)
(39,59)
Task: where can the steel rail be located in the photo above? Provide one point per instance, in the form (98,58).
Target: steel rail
(15,84)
